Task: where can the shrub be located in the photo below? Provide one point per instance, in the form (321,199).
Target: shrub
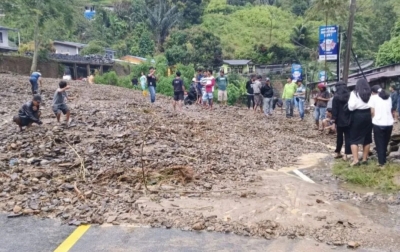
(109,78)
(164,86)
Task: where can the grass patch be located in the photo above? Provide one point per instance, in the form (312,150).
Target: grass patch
(370,175)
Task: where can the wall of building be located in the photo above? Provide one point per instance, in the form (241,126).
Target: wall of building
(22,65)
(5,38)
(64,49)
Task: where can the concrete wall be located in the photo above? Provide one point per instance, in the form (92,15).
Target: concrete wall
(64,49)
(5,38)
(22,65)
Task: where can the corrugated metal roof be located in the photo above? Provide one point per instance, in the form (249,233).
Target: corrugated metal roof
(237,62)
(74,44)
(7,29)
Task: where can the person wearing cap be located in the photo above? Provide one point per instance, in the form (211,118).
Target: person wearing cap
(268,93)
(222,83)
(300,97)
(29,113)
(382,120)
(288,93)
(59,102)
(321,102)
(36,81)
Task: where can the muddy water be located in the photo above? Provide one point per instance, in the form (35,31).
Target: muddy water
(371,202)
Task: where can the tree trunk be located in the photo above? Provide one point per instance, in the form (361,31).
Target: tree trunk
(349,36)
(36,46)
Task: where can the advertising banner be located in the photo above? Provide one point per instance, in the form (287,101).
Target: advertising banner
(322,76)
(296,71)
(328,42)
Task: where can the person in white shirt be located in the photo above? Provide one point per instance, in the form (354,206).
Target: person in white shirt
(382,120)
(361,121)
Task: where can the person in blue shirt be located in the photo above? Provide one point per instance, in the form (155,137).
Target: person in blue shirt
(35,80)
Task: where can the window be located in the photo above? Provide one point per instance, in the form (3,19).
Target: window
(1,38)
(229,69)
(251,69)
(240,69)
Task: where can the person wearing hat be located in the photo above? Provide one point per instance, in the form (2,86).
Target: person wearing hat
(29,113)
(222,83)
(321,102)
(267,92)
(36,81)
(300,97)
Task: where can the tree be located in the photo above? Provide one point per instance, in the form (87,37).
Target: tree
(94,47)
(36,14)
(161,19)
(389,52)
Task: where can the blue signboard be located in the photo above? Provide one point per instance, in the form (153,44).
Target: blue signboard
(296,72)
(328,42)
(322,76)
(89,14)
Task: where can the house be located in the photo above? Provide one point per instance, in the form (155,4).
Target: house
(5,44)
(135,59)
(74,48)
(383,76)
(238,66)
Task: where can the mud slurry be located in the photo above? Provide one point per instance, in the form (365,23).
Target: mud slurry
(204,170)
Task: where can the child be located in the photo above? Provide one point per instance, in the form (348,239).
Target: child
(59,102)
(328,125)
(29,113)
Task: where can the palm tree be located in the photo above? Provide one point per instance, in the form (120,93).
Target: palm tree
(161,19)
(300,35)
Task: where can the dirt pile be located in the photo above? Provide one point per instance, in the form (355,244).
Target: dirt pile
(98,170)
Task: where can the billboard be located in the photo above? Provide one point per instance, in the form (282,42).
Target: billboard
(296,72)
(328,42)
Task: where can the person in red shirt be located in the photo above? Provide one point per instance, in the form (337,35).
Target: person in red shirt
(209,83)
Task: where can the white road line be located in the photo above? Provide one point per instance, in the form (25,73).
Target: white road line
(302,176)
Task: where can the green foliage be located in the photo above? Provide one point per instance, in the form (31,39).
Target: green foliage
(369,175)
(164,86)
(187,72)
(389,52)
(94,47)
(109,78)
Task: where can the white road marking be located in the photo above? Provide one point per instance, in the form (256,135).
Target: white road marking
(302,176)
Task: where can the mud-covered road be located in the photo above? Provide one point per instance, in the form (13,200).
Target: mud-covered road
(226,170)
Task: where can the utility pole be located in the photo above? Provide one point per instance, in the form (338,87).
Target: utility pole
(349,36)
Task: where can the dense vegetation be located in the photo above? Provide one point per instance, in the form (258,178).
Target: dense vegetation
(201,33)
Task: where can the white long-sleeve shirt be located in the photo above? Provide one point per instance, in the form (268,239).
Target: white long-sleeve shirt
(355,102)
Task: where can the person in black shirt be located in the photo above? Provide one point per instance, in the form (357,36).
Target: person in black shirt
(134,81)
(151,82)
(179,90)
(29,113)
(250,91)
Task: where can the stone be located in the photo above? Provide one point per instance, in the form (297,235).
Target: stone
(111,219)
(353,244)
(198,226)
(44,162)
(17,209)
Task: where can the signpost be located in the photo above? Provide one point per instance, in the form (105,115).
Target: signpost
(329,45)
(296,72)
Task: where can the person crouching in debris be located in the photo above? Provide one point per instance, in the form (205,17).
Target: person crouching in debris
(29,113)
(59,102)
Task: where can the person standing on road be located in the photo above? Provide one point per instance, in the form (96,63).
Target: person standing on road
(321,102)
(36,81)
(382,120)
(179,90)
(361,120)
(29,113)
(257,93)
(394,95)
(268,93)
(222,84)
(250,91)
(151,82)
(341,117)
(300,97)
(60,102)
(287,95)
(208,83)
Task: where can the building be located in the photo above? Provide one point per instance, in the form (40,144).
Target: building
(74,48)
(383,76)
(238,66)
(5,44)
(136,60)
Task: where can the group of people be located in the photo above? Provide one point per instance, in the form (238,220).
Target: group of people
(30,111)
(356,115)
